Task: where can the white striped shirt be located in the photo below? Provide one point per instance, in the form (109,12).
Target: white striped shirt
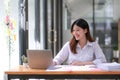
(90,52)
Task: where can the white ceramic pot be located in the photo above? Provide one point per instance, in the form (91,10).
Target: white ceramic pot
(25,65)
(115,53)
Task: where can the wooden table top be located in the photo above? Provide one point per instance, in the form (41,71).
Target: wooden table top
(22,70)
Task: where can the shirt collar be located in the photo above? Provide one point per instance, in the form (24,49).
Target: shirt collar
(88,44)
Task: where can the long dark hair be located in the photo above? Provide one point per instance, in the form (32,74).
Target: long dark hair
(84,25)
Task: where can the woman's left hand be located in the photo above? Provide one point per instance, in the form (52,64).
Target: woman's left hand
(79,63)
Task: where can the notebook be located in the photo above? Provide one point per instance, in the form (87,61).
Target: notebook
(39,59)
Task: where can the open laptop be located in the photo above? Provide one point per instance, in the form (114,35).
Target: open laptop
(39,59)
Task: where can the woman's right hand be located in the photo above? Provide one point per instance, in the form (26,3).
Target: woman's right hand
(54,63)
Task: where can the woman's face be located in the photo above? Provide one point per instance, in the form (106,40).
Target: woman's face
(79,33)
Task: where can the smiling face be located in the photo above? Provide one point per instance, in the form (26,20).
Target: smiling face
(79,33)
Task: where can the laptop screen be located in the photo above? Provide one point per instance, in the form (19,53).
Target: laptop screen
(39,59)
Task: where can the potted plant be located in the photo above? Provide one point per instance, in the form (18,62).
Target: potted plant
(115,53)
(24,61)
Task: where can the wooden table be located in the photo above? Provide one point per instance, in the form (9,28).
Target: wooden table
(27,73)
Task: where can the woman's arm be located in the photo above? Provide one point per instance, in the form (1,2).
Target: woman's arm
(62,55)
(99,55)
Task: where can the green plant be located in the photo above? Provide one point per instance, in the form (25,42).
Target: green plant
(24,59)
(115,48)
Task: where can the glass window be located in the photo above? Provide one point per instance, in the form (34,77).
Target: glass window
(106,26)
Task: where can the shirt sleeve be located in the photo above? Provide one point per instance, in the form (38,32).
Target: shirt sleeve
(99,55)
(62,55)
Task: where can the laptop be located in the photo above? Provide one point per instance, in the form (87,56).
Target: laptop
(39,59)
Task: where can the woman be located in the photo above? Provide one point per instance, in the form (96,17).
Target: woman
(81,49)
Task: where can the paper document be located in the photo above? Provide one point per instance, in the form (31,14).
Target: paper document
(70,68)
(109,66)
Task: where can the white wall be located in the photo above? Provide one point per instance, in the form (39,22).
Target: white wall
(32,43)
(31,22)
